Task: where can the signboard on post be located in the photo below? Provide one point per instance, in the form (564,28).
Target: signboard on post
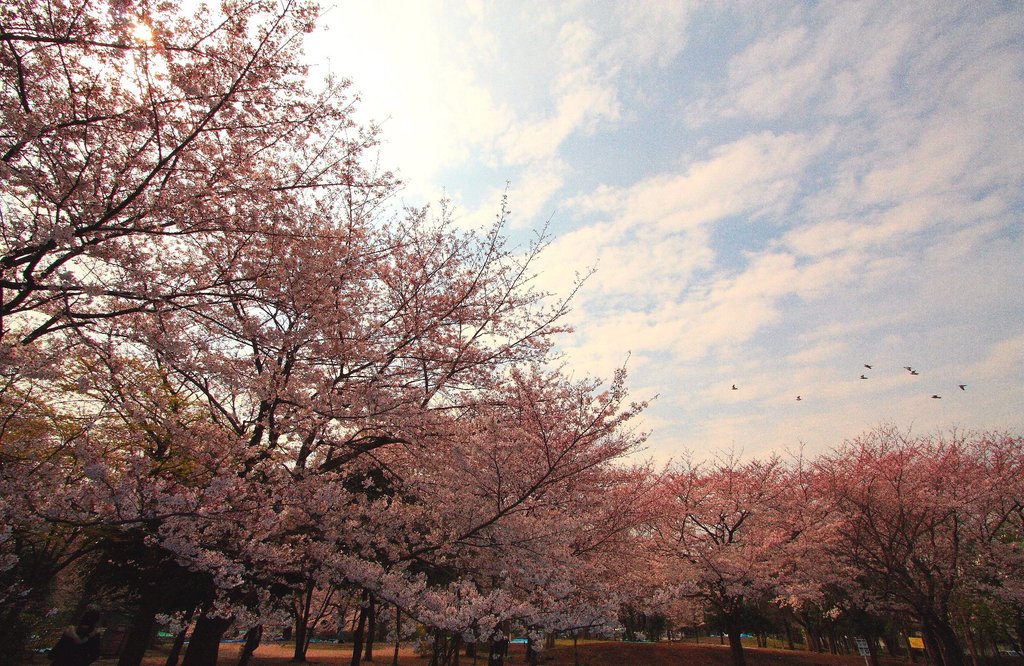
(915,642)
(863,648)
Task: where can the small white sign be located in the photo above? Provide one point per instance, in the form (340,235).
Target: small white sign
(862,647)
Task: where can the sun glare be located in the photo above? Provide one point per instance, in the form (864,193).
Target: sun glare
(143,33)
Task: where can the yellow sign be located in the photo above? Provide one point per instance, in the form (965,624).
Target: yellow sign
(916,642)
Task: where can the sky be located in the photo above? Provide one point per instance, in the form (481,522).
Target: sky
(773,196)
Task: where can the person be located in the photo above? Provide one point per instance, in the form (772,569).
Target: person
(80,644)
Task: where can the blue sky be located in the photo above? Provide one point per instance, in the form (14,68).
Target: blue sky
(773,195)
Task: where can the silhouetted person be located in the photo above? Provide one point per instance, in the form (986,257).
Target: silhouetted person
(80,644)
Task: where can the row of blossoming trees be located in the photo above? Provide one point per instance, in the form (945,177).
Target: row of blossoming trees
(887,534)
(237,383)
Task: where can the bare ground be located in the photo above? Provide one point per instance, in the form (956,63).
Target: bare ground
(590,654)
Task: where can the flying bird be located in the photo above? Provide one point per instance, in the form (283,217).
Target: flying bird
(734,388)
(863,377)
(908,368)
(867,366)
(799,398)
(913,372)
(937,397)
(963,387)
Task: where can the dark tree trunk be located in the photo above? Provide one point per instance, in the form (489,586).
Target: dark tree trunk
(532,656)
(179,640)
(398,634)
(972,646)
(140,634)
(371,630)
(931,648)
(342,615)
(1018,627)
(252,641)
(832,647)
(446,649)
(892,641)
(946,643)
(205,642)
(735,641)
(873,649)
(301,611)
(498,650)
(357,635)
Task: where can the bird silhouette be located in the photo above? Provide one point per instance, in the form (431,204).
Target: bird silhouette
(863,377)
(908,368)
(799,398)
(913,372)
(937,397)
(963,387)
(867,366)
(734,388)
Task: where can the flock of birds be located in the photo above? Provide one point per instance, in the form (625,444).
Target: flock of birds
(935,396)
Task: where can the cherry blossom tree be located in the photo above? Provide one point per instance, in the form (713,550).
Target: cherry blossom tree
(723,533)
(131,131)
(919,514)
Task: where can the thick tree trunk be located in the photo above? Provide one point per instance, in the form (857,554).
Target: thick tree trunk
(205,642)
(931,647)
(972,646)
(252,641)
(947,642)
(299,652)
(873,650)
(140,634)
(301,611)
(892,641)
(371,630)
(179,640)
(357,635)
(735,641)
(498,650)
(832,647)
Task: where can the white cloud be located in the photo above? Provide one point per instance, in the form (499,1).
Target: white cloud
(401,58)
(847,190)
